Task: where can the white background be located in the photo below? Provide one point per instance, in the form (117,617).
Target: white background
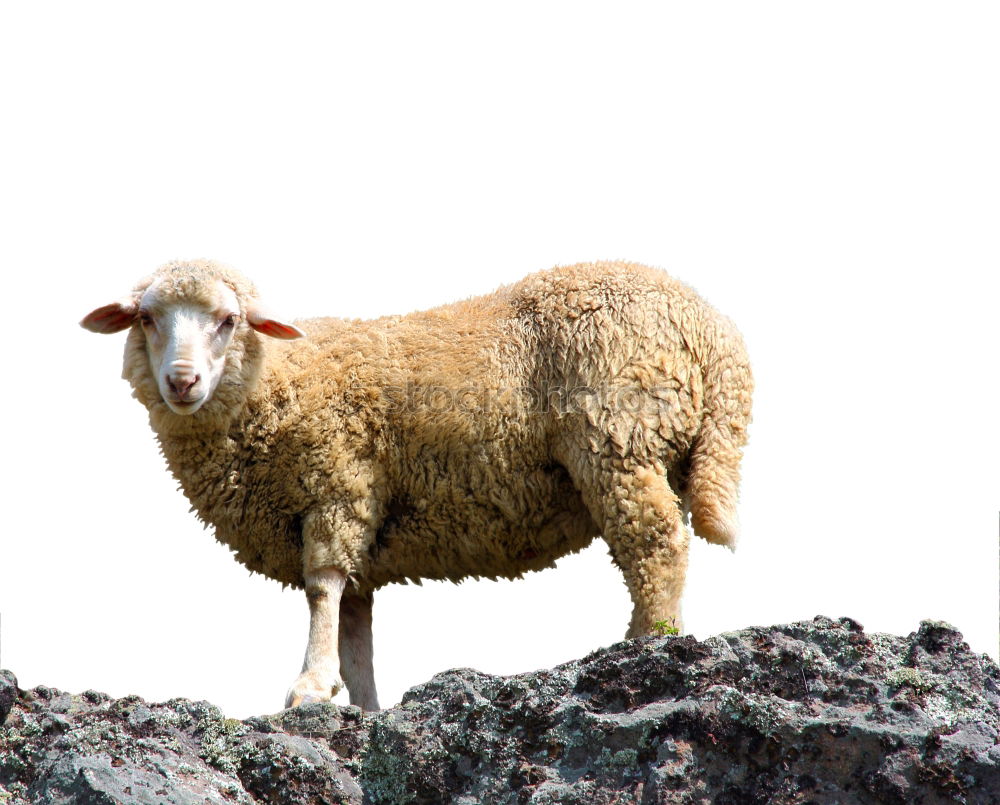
(825,174)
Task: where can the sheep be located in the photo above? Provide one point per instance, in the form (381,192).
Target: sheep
(484,438)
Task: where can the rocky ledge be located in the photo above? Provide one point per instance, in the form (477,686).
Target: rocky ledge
(813,712)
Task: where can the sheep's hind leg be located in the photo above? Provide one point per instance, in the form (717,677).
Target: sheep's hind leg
(319,681)
(644,529)
(640,518)
(356,650)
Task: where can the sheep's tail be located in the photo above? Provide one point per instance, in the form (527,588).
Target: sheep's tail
(714,477)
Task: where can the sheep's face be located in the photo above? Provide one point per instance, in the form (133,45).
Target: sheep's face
(186,342)
(187,319)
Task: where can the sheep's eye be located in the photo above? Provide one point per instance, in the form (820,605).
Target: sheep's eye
(228,322)
(145,319)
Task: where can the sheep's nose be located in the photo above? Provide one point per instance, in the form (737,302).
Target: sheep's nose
(182,384)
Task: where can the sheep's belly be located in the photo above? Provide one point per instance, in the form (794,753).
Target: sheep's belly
(461,532)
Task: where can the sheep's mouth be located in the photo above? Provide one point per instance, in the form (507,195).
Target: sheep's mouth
(184,406)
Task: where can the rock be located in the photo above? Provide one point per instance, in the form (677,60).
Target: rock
(813,712)
(57,748)
(8,694)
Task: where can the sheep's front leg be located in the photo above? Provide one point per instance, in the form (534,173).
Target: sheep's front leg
(356,650)
(319,680)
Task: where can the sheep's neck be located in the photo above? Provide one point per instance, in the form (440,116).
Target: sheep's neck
(209,465)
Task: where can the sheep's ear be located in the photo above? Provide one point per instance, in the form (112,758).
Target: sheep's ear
(266,324)
(112,318)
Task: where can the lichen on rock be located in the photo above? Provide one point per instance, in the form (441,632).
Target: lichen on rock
(815,711)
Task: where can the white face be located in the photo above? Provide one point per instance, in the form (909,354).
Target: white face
(187,344)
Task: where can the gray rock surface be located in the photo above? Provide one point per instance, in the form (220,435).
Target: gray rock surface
(814,712)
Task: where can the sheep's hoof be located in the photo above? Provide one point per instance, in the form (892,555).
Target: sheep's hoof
(300,700)
(309,688)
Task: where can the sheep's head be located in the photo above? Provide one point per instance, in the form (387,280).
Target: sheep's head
(191,335)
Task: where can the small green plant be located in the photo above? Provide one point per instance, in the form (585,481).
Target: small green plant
(664,628)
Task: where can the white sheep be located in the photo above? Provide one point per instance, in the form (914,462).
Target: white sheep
(483,438)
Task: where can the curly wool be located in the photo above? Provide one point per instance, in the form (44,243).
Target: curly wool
(483,438)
